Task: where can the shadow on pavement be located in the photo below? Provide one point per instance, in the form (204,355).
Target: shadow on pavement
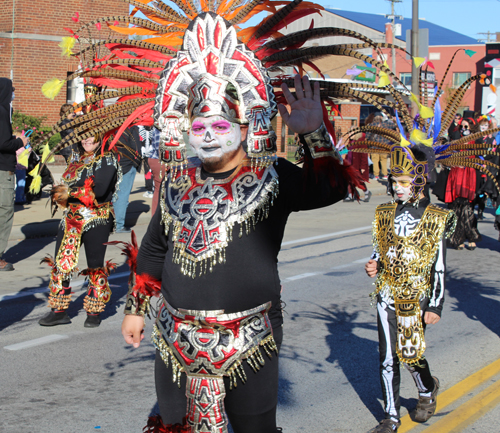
(14,310)
(31,247)
(134,210)
(478,300)
(357,357)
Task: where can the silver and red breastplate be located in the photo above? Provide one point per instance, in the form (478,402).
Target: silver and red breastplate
(202,212)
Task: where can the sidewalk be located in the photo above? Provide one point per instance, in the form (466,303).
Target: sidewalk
(34,221)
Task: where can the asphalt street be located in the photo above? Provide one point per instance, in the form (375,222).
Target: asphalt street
(76,380)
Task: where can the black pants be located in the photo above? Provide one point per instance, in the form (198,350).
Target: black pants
(251,407)
(94,240)
(390,376)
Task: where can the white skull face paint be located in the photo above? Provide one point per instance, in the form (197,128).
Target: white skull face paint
(214,139)
(402,187)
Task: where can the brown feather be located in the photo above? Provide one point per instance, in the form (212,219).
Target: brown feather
(276,18)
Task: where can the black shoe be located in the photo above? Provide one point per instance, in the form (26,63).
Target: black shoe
(92,321)
(4,266)
(348,198)
(367,196)
(123,230)
(53,318)
(386,426)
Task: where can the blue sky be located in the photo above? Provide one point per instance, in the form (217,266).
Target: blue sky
(469,17)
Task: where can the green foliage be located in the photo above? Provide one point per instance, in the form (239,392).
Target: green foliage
(25,122)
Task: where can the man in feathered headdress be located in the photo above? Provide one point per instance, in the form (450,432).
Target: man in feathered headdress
(212,247)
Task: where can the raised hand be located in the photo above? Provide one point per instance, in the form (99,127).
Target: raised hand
(306,112)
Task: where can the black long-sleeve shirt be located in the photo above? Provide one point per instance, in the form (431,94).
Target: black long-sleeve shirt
(250,275)
(9,144)
(105,179)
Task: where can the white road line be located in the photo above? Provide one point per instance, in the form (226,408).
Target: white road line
(328,235)
(74,284)
(313,274)
(36,342)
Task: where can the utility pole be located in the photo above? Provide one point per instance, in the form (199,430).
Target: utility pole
(393,18)
(488,34)
(414,52)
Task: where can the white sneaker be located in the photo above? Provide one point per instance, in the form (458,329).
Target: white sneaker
(148,194)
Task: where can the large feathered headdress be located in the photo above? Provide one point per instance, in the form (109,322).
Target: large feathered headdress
(426,132)
(134,73)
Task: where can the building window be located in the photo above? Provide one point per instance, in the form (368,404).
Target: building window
(460,78)
(405,77)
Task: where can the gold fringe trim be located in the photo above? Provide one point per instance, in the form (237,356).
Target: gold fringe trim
(167,356)
(253,357)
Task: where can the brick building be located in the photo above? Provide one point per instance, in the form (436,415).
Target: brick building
(30,32)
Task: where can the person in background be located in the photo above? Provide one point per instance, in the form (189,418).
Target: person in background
(454,131)
(129,163)
(90,180)
(461,190)
(381,122)
(146,136)
(9,144)
(67,110)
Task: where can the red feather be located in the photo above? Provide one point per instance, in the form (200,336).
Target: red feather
(129,250)
(147,285)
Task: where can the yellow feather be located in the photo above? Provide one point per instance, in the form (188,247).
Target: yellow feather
(425,112)
(383,78)
(45,154)
(52,88)
(22,159)
(36,183)
(418,136)
(67,44)
(404,142)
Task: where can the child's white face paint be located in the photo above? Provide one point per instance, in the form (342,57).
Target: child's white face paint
(402,187)
(483,127)
(213,138)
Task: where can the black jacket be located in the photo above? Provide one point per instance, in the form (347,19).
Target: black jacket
(8,143)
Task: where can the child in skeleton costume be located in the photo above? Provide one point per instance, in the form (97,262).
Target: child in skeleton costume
(89,183)
(409,242)
(409,261)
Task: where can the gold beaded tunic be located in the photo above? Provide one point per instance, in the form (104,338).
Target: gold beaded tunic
(405,270)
